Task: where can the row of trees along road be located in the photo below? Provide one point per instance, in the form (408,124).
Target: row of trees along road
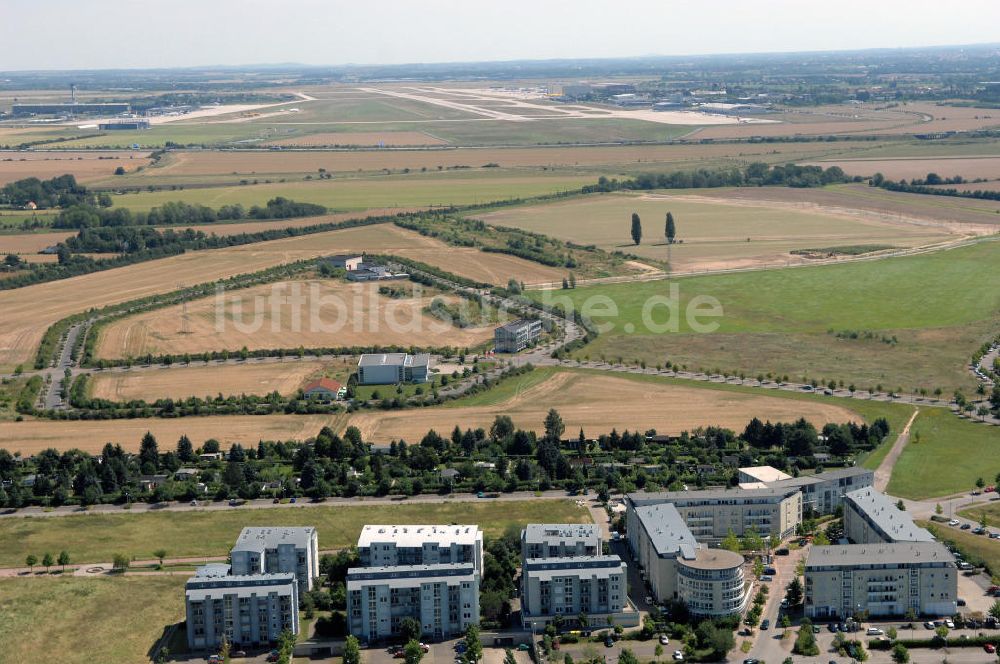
(669,231)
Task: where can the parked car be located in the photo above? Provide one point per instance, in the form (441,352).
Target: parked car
(678,656)
(770,570)
(960,602)
(949,624)
(990,648)
(523,647)
(781,552)
(953,522)
(240,653)
(664,640)
(875,631)
(816,629)
(965,526)
(766,578)
(609,642)
(765,623)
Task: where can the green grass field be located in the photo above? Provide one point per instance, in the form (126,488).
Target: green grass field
(947,458)
(991,510)
(975,547)
(712,233)
(80,621)
(939,306)
(363,193)
(96,538)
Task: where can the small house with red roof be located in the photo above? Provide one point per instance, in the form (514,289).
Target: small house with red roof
(325,389)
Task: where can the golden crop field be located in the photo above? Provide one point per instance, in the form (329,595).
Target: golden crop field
(30,243)
(32,436)
(85,166)
(908,168)
(288,314)
(715,233)
(27,312)
(583,399)
(200,381)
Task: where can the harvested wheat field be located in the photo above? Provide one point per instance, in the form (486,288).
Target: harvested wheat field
(86,167)
(908,168)
(181,382)
(27,312)
(583,400)
(30,243)
(239,227)
(366,138)
(32,436)
(328,313)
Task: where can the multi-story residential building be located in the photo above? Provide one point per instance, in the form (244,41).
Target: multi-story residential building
(560,540)
(385,546)
(711,514)
(821,493)
(676,567)
(594,585)
(269,550)
(880,580)
(871,517)
(516,335)
(249,610)
(444,598)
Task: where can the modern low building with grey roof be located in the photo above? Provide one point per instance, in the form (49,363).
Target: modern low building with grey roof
(516,335)
(393,368)
(269,550)
(822,493)
(385,545)
(560,540)
(443,598)
(880,580)
(245,610)
(871,517)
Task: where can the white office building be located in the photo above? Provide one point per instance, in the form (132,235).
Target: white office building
(393,368)
(270,550)
(567,587)
(871,517)
(443,598)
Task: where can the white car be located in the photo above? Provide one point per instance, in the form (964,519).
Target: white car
(664,641)
(678,656)
(875,631)
(953,522)
(949,624)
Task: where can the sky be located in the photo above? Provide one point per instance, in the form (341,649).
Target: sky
(101,34)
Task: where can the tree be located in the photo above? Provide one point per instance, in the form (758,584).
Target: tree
(731,542)
(120,170)
(352,650)
(31,561)
(980,483)
(626,656)
(938,509)
(752,541)
(794,593)
(900,654)
(995,609)
(409,629)
(900,505)
(474,648)
(47,561)
(412,652)
(149,454)
(554,426)
(63,559)
(671,229)
(508,656)
(805,642)
(160,555)
(821,539)
(12,260)
(636,228)
(120,562)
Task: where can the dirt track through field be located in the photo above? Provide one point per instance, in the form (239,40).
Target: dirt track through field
(584,401)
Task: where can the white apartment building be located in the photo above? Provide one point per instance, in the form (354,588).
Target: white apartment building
(270,550)
(711,514)
(710,581)
(871,517)
(561,540)
(248,610)
(443,598)
(880,580)
(386,546)
(594,585)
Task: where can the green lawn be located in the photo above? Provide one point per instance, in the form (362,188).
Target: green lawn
(347,194)
(83,621)
(96,538)
(939,306)
(945,455)
(977,549)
